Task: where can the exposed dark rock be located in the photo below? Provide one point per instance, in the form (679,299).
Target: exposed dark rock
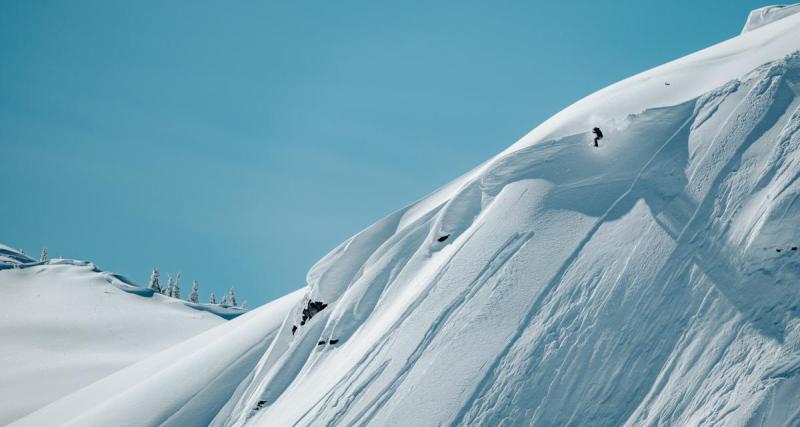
(311,309)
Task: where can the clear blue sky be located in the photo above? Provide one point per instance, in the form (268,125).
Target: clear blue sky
(238,142)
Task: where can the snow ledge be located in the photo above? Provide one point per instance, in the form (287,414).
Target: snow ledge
(768,14)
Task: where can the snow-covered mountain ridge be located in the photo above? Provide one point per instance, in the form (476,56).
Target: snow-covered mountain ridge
(654,280)
(639,283)
(66,324)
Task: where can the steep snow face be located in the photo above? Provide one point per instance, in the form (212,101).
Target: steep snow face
(65,324)
(651,281)
(766,15)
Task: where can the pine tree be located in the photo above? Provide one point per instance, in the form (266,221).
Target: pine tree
(154,285)
(44,255)
(224,300)
(212,299)
(170,284)
(176,287)
(232,297)
(194,297)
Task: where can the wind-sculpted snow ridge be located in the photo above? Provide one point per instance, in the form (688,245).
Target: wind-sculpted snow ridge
(769,14)
(652,281)
(9,258)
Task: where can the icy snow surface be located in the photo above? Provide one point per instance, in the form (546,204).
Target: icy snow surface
(654,280)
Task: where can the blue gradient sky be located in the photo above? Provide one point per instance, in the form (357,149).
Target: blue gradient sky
(238,142)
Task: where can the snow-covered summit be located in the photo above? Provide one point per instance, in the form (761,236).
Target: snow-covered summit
(768,14)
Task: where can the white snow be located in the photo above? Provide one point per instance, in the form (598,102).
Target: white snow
(183,386)
(654,280)
(65,324)
(11,257)
(637,283)
(767,15)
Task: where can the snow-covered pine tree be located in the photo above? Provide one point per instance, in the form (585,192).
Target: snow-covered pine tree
(212,299)
(154,284)
(193,296)
(44,254)
(168,289)
(232,297)
(176,287)
(224,300)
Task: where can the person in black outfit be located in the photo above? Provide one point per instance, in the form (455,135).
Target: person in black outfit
(598,135)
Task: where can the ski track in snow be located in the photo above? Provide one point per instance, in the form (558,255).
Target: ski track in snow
(554,282)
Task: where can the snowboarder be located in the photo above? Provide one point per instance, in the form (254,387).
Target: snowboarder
(598,135)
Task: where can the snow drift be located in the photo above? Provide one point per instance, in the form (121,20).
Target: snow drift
(652,281)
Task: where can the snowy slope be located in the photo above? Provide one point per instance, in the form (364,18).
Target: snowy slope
(650,281)
(65,324)
(185,385)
